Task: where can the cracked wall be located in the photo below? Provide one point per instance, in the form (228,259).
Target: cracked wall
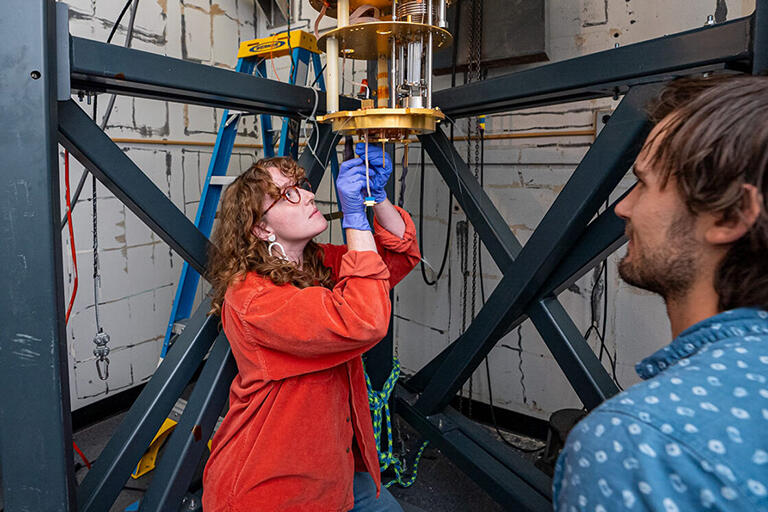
(522,177)
(172,144)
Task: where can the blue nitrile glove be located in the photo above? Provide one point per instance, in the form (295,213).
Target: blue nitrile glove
(350,185)
(379,168)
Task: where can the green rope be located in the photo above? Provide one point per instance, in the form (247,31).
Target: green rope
(379,402)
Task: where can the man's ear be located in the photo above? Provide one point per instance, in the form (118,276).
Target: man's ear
(728,228)
(260,231)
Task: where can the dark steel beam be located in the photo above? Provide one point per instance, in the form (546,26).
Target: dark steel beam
(118,459)
(760,40)
(596,176)
(96,151)
(599,74)
(602,237)
(104,67)
(183,451)
(35,420)
(486,220)
(508,478)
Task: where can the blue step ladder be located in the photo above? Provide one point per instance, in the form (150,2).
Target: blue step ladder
(252,56)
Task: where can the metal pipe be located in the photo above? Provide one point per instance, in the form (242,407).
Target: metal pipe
(393,76)
(441,21)
(428,70)
(342,16)
(332,75)
(428,59)
(492,136)
(332,58)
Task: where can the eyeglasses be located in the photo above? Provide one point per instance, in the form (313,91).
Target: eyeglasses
(292,193)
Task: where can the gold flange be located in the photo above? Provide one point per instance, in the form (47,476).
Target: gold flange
(388,124)
(368,41)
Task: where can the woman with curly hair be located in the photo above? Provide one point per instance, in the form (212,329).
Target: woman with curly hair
(298,434)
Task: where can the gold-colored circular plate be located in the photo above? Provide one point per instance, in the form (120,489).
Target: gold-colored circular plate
(367,41)
(389,123)
(384,5)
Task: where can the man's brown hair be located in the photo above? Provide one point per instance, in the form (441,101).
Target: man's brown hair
(715,140)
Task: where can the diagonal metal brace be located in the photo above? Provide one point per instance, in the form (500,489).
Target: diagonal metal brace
(597,175)
(104,482)
(184,449)
(603,236)
(104,159)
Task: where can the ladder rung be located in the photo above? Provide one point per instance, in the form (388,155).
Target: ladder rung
(222,180)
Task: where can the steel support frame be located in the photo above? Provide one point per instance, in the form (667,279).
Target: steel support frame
(526,268)
(32,350)
(610,72)
(103,67)
(32,354)
(35,420)
(565,245)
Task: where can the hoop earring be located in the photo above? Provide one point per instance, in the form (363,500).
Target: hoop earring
(274,243)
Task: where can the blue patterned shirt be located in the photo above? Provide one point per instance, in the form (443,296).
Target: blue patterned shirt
(692,436)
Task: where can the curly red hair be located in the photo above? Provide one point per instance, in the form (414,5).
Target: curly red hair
(236,250)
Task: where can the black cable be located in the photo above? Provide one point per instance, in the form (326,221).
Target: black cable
(403,175)
(290,50)
(118,20)
(81,183)
(600,330)
(318,76)
(482,298)
(454,56)
(421,228)
(495,423)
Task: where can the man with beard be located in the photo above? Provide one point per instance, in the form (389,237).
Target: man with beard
(691,436)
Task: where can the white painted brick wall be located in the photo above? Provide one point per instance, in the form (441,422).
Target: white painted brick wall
(522,177)
(139,271)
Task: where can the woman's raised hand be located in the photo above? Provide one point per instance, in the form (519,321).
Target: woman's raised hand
(350,185)
(380,168)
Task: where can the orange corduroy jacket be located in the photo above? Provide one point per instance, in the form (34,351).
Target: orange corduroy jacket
(299,423)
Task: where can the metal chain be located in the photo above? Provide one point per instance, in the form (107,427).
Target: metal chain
(101,339)
(474,58)
(461,242)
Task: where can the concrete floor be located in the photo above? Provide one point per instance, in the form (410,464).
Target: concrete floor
(440,485)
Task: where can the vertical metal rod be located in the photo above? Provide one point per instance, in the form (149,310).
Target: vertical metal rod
(401,66)
(342,13)
(428,59)
(441,21)
(332,75)
(393,75)
(35,421)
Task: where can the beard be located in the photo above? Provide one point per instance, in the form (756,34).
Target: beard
(669,269)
